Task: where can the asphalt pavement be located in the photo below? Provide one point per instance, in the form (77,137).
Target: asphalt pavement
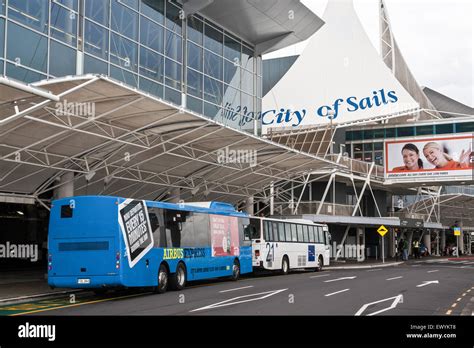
(432,287)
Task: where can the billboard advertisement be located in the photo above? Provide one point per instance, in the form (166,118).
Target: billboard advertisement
(429,158)
(224,235)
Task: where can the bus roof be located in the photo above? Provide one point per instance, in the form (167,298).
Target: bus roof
(209,207)
(296,221)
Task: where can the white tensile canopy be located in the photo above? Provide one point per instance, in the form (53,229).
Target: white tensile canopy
(340,75)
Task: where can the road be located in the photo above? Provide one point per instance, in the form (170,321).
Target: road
(416,288)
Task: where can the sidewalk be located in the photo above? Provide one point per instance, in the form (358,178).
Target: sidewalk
(389,262)
(22,285)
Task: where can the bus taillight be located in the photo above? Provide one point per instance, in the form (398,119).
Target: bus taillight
(257,253)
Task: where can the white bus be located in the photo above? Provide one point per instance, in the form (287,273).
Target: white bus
(288,244)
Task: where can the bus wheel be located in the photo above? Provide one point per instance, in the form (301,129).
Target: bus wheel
(235,270)
(162,280)
(285,265)
(319,267)
(178,279)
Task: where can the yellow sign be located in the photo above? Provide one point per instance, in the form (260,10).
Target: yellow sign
(457,231)
(382,230)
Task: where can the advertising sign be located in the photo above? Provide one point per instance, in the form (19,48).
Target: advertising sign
(136,230)
(429,158)
(224,235)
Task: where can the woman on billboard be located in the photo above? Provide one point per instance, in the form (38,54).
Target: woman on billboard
(436,155)
(411,159)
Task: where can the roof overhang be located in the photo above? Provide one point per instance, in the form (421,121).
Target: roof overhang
(134,145)
(269,24)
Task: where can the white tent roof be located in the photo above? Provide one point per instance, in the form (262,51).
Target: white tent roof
(339,62)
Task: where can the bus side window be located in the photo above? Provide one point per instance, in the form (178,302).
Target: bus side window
(294,237)
(153,221)
(321,234)
(311,233)
(288,231)
(300,234)
(316,234)
(275,232)
(281,231)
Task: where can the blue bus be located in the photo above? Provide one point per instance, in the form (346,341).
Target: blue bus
(103,242)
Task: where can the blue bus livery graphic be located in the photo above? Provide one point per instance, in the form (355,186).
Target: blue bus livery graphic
(161,237)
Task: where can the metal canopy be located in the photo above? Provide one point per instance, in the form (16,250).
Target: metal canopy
(269,24)
(136,145)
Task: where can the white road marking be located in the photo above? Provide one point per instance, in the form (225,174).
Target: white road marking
(394,278)
(415,265)
(319,276)
(435,270)
(337,279)
(396,300)
(373,270)
(337,292)
(244,287)
(238,299)
(427,282)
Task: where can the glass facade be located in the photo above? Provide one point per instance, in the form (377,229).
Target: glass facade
(148,44)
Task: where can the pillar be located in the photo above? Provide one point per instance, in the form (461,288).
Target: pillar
(427,241)
(272,200)
(66,186)
(249,205)
(174,195)
(443,241)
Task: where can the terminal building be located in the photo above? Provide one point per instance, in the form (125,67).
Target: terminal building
(150,98)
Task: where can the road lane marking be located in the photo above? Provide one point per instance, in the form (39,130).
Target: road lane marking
(464,294)
(373,270)
(80,304)
(396,300)
(238,300)
(449,312)
(435,270)
(394,278)
(319,276)
(415,265)
(427,282)
(459,299)
(337,292)
(454,305)
(244,287)
(337,279)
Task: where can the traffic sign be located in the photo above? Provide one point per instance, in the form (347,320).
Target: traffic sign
(382,230)
(457,231)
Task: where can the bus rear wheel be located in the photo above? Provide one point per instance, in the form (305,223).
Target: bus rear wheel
(162,280)
(235,271)
(178,279)
(285,265)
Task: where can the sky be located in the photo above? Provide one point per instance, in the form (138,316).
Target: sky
(435,37)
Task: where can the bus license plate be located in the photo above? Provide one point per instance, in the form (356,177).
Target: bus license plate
(83,281)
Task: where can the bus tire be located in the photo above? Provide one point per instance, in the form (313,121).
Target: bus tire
(285,265)
(319,267)
(162,280)
(235,270)
(178,279)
